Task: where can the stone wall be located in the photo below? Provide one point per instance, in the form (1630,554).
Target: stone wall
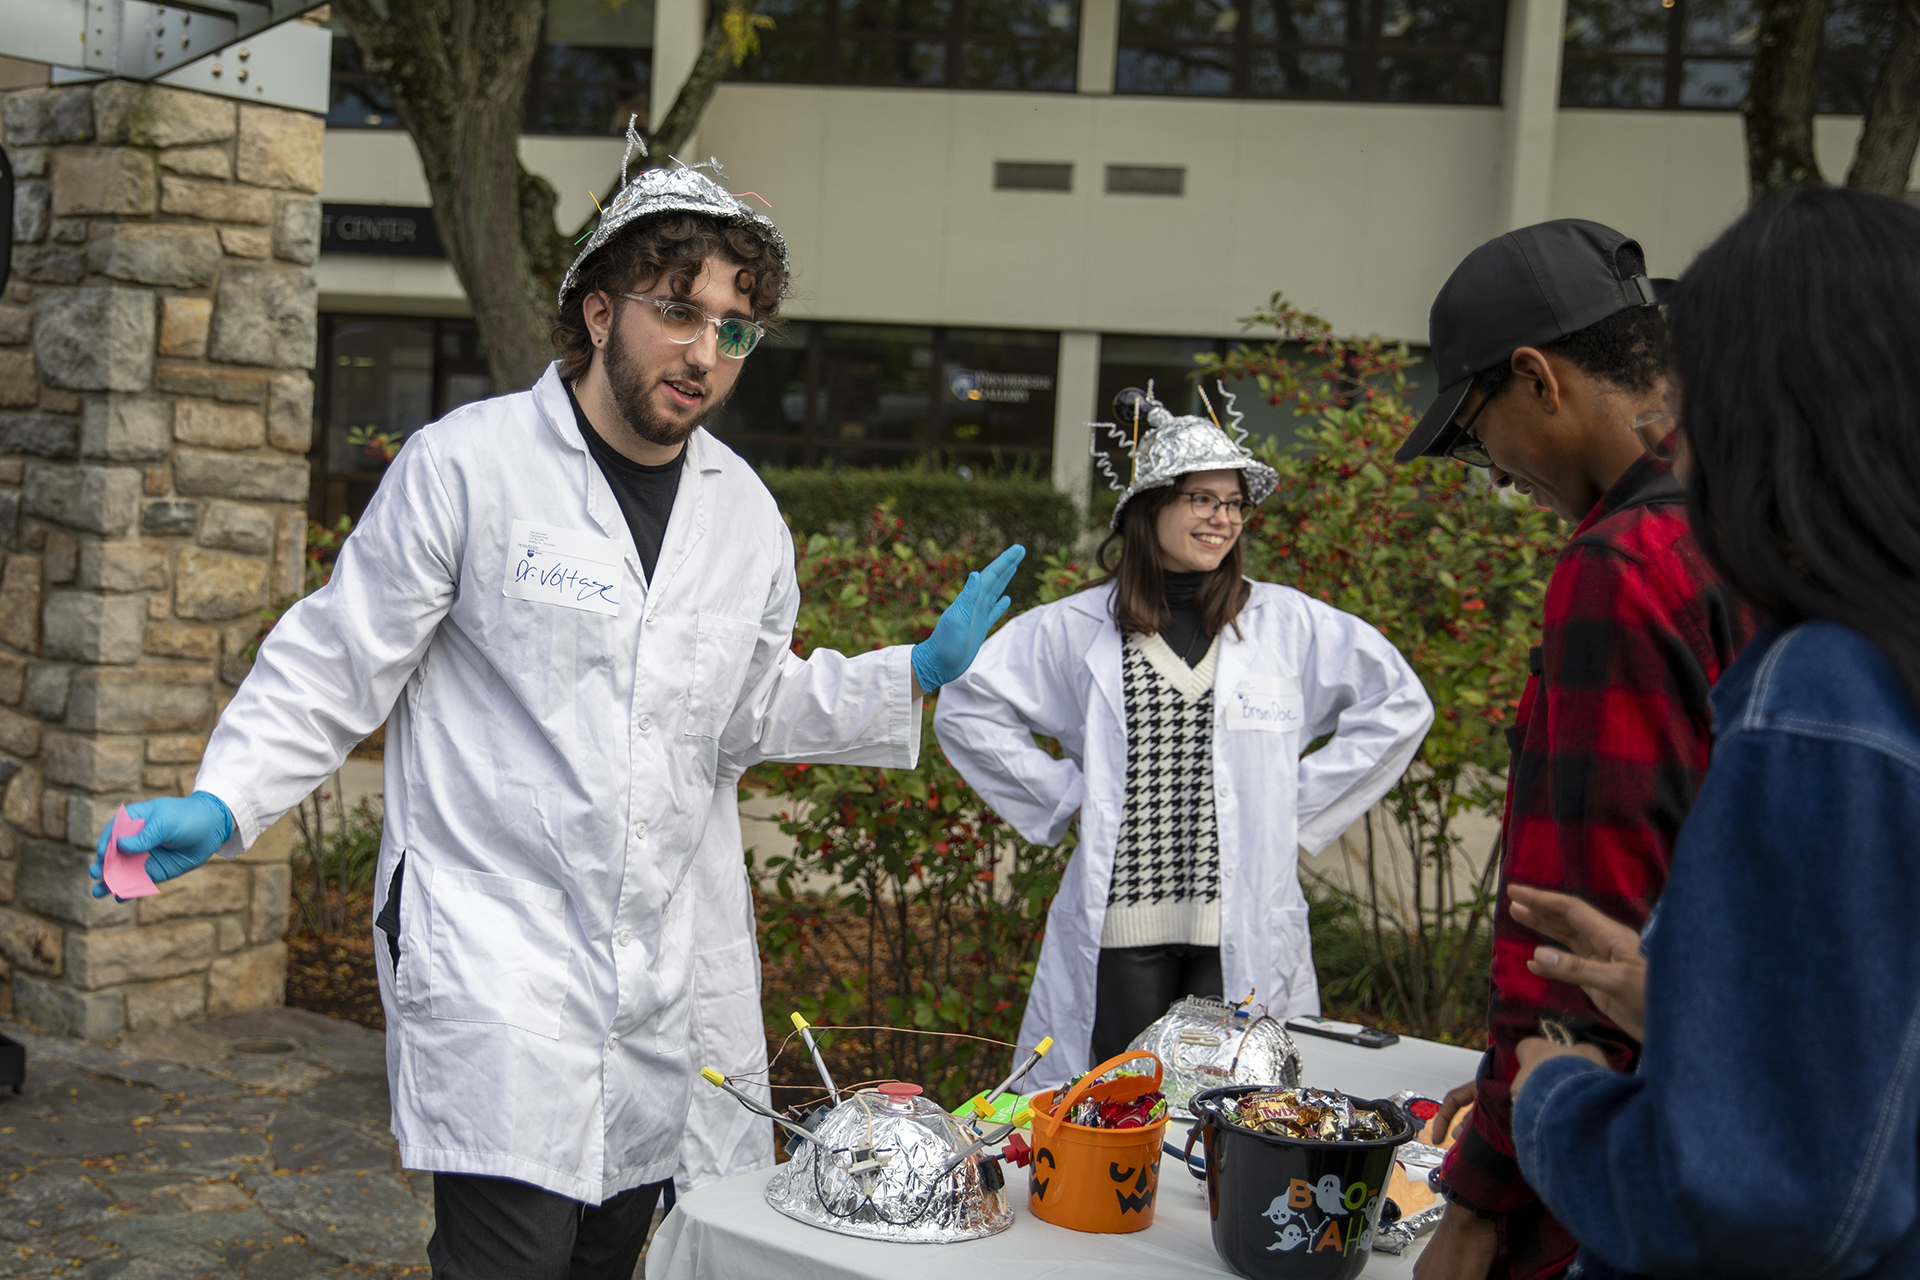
(155,414)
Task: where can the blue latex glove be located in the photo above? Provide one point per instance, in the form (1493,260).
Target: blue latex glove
(179,836)
(948,652)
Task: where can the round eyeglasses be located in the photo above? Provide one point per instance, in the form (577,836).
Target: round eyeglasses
(1205,504)
(1663,444)
(1466,446)
(683,322)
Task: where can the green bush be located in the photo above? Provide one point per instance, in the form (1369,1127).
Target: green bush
(933,506)
(945,902)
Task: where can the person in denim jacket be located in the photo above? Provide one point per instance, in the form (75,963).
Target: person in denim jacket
(1773,1125)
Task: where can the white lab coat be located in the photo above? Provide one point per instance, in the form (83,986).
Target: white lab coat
(549,775)
(1298,669)
(722,1137)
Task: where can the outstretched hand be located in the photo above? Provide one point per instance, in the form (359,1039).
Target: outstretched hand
(948,652)
(1602,958)
(179,835)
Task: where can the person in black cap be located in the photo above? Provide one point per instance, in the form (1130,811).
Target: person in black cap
(1552,355)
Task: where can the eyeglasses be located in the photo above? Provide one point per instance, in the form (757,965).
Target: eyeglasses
(683,322)
(1663,445)
(1466,446)
(1205,504)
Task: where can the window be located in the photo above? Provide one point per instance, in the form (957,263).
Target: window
(868,395)
(1018,175)
(1145,180)
(1695,54)
(1445,51)
(594,71)
(1132,360)
(383,375)
(949,44)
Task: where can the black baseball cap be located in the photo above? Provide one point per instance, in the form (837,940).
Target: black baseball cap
(1523,289)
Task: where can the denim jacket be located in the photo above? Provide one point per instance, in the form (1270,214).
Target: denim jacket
(1773,1126)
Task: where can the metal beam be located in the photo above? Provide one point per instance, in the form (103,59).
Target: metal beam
(283,66)
(136,39)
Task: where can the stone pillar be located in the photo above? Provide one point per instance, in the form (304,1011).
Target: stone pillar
(155,415)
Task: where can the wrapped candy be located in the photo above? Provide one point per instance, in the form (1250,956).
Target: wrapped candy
(1136,1113)
(1319,1115)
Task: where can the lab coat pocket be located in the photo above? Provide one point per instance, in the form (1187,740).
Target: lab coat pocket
(722,648)
(500,951)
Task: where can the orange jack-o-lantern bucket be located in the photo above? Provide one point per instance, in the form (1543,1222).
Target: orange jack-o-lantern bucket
(1096,1179)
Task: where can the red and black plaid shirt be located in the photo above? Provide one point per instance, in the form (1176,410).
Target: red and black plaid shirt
(1609,748)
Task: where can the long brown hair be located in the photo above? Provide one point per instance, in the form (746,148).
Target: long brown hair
(1139,577)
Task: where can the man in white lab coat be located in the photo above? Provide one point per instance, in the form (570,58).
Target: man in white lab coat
(573,608)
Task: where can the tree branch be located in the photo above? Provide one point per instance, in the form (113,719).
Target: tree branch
(1779,104)
(1883,158)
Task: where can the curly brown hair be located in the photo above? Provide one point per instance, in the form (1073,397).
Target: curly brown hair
(672,247)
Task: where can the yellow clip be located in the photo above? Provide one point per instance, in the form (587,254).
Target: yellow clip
(1043,1046)
(983,1108)
(800,1023)
(712,1077)
(1026,1114)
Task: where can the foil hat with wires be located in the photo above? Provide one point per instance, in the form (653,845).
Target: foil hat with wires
(671,190)
(1162,446)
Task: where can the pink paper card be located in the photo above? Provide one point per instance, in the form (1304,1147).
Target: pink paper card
(125,874)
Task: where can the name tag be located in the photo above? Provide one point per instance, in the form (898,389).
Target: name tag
(1266,706)
(560,566)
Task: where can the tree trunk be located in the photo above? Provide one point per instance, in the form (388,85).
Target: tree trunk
(1883,158)
(1780,97)
(457,71)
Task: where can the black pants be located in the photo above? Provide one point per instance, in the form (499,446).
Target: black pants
(500,1229)
(1136,984)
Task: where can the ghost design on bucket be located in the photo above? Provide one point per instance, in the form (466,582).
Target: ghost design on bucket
(1277,1213)
(1292,1236)
(1327,1194)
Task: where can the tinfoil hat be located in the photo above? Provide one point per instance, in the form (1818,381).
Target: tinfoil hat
(1162,447)
(665,190)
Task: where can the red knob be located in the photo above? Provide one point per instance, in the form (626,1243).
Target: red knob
(900,1090)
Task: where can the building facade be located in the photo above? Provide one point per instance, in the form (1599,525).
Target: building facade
(1001,211)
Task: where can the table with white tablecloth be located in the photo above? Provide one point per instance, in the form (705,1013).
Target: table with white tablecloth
(726,1231)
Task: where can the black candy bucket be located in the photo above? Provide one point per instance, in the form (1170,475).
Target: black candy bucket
(1290,1209)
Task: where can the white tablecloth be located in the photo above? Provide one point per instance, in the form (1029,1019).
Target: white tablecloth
(726,1231)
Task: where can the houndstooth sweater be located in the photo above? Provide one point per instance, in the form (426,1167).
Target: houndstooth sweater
(1166,868)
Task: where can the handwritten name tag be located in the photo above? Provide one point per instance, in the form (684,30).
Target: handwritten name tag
(1266,706)
(559,566)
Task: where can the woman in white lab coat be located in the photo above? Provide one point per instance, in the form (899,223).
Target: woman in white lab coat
(1183,695)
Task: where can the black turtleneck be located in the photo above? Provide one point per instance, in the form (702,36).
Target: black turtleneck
(1184,634)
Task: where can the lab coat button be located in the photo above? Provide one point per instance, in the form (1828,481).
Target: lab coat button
(626,939)
(646,722)
(640,831)
(1229,948)
(613,1041)
(1227,872)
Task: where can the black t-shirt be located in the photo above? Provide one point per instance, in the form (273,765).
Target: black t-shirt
(645,494)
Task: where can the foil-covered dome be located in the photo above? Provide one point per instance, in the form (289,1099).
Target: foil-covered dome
(877,1169)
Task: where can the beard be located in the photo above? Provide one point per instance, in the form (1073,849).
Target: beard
(632,389)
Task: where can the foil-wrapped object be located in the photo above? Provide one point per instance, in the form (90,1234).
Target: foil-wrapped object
(1164,446)
(664,190)
(877,1169)
(1204,1043)
(1394,1239)
(1317,1115)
